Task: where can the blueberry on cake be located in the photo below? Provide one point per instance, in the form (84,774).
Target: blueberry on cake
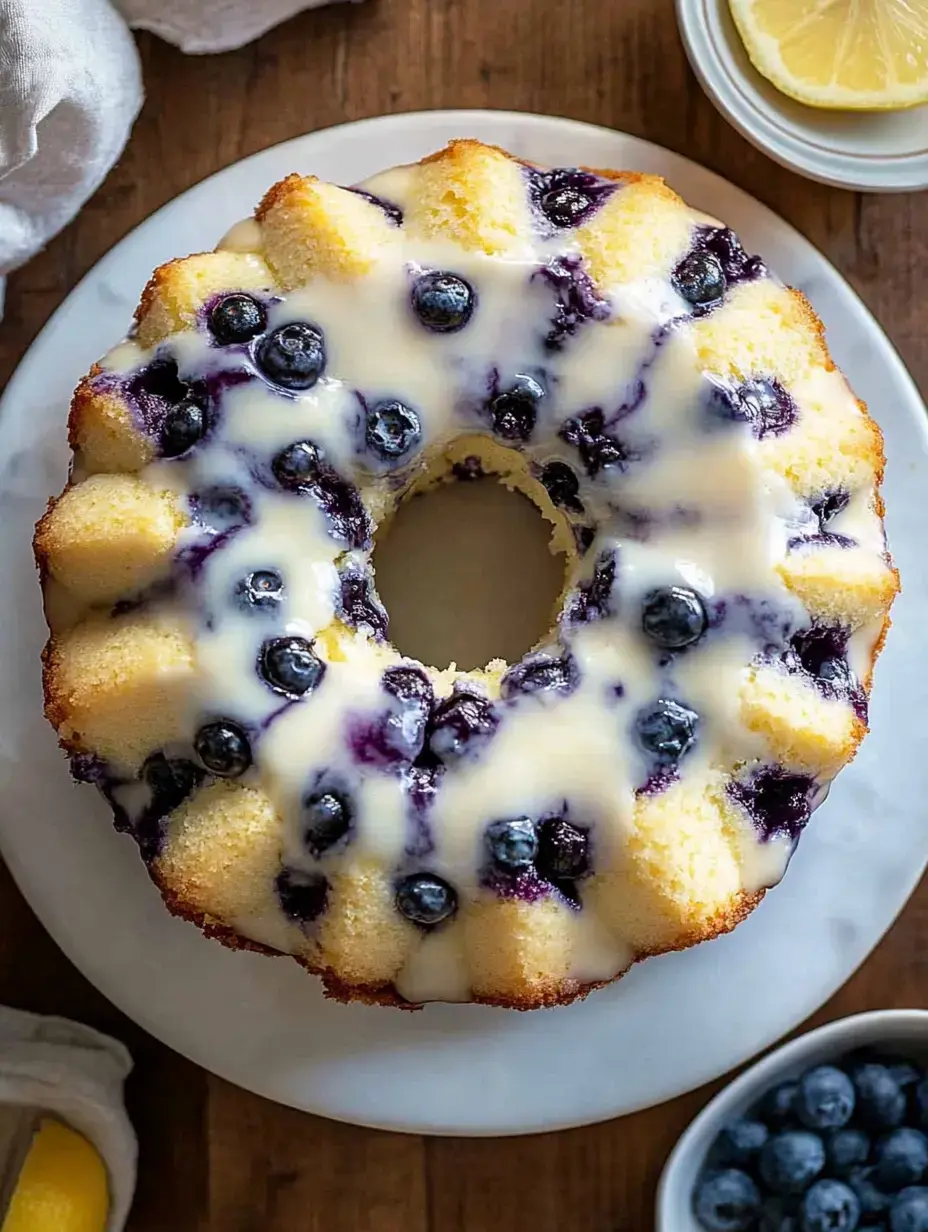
(220,663)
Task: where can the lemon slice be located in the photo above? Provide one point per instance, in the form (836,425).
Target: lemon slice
(62,1186)
(864,55)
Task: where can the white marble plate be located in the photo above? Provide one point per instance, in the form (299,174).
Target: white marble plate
(672,1024)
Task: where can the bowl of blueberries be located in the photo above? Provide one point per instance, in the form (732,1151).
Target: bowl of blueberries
(827,1134)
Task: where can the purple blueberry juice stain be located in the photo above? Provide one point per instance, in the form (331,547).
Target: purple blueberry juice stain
(829,505)
(658,780)
(527,885)
(393,737)
(765,621)
(778,803)
(598,449)
(420,784)
(576,299)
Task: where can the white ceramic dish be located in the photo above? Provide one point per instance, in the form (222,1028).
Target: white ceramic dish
(673,1023)
(871,151)
(903,1031)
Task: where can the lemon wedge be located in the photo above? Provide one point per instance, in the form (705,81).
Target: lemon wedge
(862,55)
(62,1186)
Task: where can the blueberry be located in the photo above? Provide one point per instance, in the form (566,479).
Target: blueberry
(565,205)
(738,1144)
(513,412)
(872,1201)
(425,899)
(776,801)
(847,1149)
(541,673)
(393,212)
(392,429)
(512,844)
(443,302)
(900,1159)
(171,780)
(779,1214)
(666,730)
(298,466)
(302,895)
(726,1201)
(902,1071)
(462,724)
(563,850)
(261,591)
(289,665)
(326,818)
(183,427)
(829,1206)
(223,748)
(921,1103)
(563,486)
(790,1161)
(909,1212)
(700,279)
(767,406)
(673,617)
(825,1099)
(778,1106)
(880,1099)
(293,355)
(236,318)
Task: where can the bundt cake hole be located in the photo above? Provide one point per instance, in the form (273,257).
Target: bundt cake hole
(468,571)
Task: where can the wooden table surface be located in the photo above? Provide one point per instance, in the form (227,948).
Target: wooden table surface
(214,1158)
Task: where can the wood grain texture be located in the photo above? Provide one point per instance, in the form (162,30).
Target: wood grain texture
(215,1159)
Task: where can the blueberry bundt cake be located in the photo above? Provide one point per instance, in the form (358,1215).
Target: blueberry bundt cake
(219,662)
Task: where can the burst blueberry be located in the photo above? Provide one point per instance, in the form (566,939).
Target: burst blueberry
(462,724)
(223,748)
(302,896)
(513,412)
(563,486)
(512,844)
(825,1099)
(236,318)
(829,1206)
(183,427)
(563,850)
(443,302)
(298,465)
(726,1201)
(565,205)
(327,818)
(790,1161)
(598,450)
(700,279)
(392,429)
(667,730)
(358,603)
(541,673)
(261,591)
(403,730)
(290,666)
(292,356)
(673,617)
(425,899)
(171,780)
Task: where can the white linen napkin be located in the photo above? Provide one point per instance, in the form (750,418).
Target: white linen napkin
(77,1074)
(70,89)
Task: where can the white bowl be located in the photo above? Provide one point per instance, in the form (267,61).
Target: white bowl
(872,151)
(903,1031)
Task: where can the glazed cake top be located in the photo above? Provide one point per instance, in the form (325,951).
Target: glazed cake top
(666,400)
